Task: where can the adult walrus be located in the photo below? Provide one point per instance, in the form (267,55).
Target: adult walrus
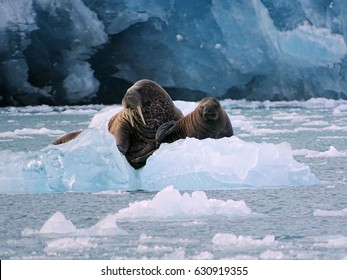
(208,120)
(146,106)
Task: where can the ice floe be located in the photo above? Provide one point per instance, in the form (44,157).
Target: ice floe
(330,213)
(229,240)
(92,163)
(57,224)
(332,152)
(70,243)
(29,131)
(170,203)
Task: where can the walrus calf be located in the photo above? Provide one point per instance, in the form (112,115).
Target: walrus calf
(146,106)
(208,120)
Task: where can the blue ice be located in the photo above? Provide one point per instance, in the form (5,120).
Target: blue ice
(92,163)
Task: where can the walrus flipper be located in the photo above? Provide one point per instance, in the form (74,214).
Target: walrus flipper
(66,138)
(164,131)
(142,158)
(122,140)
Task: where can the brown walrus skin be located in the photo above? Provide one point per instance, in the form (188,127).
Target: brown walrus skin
(146,106)
(67,137)
(208,120)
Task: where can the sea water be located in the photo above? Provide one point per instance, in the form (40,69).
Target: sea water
(277,190)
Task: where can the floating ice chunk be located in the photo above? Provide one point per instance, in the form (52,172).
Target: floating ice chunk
(170,203)
(332,152)
(70,243)
(315,123)
(110,192)
(144,237)
(92,162)
(154,249)
(304,152)
(231,240)
(264,131)
(31,131)
(331,241)
(58,224)
(312,103)
(335,128)
(106,226)
(339,110)
(223,163)
(342,107)
(203,256)
(339,241)
(178,254)
(330,213)
(271,255)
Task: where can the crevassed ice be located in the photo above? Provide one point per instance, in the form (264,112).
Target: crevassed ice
(275,49)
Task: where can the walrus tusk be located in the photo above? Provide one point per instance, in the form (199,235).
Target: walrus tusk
(139,110)
(131,119)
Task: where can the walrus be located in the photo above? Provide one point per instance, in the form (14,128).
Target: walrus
(66,138)
(146,106)
(208,120)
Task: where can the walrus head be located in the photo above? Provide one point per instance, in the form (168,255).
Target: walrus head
(209,108)
(132,102)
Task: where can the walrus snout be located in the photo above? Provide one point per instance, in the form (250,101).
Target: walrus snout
(210,113)
(132,102)
(210,107)
(132,114)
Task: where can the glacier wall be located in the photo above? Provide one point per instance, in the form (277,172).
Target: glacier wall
(81,51)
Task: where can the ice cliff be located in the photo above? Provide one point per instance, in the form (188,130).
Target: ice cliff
(79,51)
